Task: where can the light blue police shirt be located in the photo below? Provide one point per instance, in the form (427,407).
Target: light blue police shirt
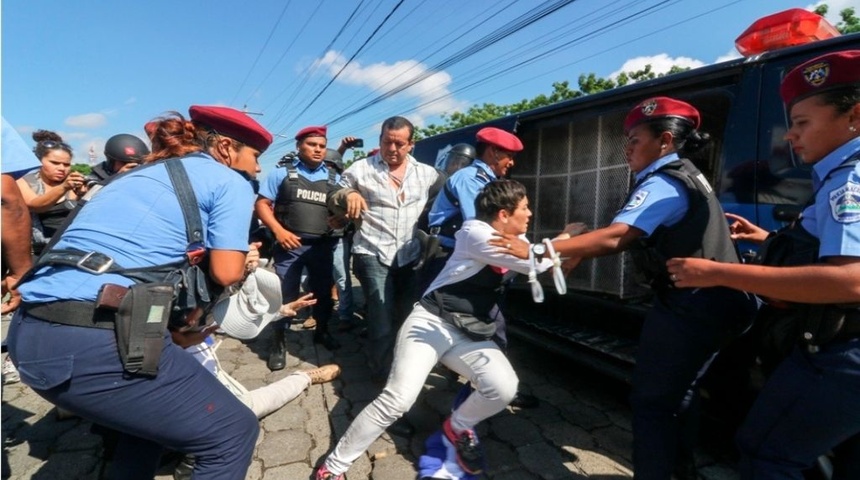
(465,185)
(270,186)
(835,216)
(659,200)
(137,221)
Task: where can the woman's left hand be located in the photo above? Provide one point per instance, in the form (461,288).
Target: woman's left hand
(292,308)
(693,272)
(511,244)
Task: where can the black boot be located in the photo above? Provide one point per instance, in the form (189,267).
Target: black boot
(278,350)
(185,468)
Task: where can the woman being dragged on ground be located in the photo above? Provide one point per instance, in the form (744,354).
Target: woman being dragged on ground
(463,293)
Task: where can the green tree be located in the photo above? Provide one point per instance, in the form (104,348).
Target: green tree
(850,22)
(82,168)
(588,84)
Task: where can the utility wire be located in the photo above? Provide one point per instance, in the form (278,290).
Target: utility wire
(308,73)
(260,53)
(499,34)
(375,31)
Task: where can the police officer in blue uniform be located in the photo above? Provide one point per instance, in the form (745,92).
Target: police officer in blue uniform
(72,359)
(809,405)
(495,150)
(671,209)
(292,204)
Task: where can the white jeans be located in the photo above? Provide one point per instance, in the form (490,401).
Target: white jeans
(423,340)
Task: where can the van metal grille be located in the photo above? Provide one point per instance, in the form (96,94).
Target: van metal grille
(574,169)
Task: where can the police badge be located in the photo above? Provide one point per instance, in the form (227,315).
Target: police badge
(649,107)
(816,74)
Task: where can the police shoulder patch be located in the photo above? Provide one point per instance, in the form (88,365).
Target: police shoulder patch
(637,200)
(845,203)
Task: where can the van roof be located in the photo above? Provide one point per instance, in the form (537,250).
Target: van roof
(694,75)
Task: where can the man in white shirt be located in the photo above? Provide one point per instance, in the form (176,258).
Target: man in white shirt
(386,194)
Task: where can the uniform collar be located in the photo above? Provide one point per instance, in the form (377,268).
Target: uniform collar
(660,162)
(834,159)
(483,166)
(321,167)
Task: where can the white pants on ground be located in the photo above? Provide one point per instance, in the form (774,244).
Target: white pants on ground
(423,340)
(262,401)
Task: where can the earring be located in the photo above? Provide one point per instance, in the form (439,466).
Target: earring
(851,128)
(663,146)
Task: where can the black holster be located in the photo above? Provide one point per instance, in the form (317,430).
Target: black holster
(140,325)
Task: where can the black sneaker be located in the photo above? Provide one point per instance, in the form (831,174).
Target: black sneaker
(470,456)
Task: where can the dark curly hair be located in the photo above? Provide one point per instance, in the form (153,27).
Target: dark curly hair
(47,141)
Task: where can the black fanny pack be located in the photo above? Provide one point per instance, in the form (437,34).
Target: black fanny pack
(476,328)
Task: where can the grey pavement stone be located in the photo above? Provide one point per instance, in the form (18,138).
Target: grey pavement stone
(543,460)
(281,448)
(514,430)
(393,468)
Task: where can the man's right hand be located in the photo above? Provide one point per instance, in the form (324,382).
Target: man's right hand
(355,205)
(287,239)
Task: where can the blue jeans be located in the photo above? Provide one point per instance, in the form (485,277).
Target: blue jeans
(680,337)
(389,295)
(184,408)
(343,279)
(807,407)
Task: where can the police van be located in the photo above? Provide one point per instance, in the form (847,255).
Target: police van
(574,169)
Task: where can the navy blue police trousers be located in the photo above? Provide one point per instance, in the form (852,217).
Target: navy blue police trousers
(317,256)
(681,335)
(184,408)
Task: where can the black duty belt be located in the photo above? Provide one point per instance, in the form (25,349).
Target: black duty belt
(74,313)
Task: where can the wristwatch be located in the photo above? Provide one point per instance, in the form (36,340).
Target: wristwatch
(538,250)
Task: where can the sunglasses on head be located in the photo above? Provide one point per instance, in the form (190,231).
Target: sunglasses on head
(51,145)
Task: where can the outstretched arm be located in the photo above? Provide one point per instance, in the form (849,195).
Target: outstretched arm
(836,281)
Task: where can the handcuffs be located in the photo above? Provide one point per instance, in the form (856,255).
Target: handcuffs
(536,253)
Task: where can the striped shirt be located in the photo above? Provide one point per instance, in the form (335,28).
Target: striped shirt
(387,227)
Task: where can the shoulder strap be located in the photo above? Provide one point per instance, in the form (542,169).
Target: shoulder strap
(187,199)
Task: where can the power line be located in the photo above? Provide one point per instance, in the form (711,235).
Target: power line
(260,53)
(318,95)
(497,35)
(307,74)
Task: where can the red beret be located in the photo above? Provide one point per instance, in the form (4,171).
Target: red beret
(661,107)
(500,138)
(837,69)
(312,132)
(232,123)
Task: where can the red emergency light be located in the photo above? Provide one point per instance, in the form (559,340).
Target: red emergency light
(794,26)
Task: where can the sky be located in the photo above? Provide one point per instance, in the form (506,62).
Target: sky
(90,69)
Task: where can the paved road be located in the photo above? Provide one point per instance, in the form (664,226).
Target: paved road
(581,429)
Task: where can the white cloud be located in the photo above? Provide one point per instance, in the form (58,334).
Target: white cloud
(660,63)
(730,55)
(834,7)
(87,120)
(69,136)
(130,101)
(384,76)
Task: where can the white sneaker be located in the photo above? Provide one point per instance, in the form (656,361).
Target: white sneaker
(10,373)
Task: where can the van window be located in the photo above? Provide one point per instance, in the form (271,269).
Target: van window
(786,179)
(574,169)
